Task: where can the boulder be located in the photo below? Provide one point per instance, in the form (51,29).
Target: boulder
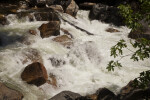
(72,8)
(105,94)
(9,94)
(50,29)
(107,14)
(64,40)
(129,92)
(57,8)
(35,73)
(66,95)
(46,16)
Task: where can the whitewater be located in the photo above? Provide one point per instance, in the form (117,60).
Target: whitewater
(84,70)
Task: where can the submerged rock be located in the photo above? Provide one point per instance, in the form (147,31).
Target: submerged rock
(32,55)
(50,29)
(64,40)
(3,20)
(35,73)
(66,95)
(112,30)
(33,32)
(9,94)
(107,14)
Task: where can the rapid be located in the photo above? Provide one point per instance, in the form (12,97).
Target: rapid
(81,68)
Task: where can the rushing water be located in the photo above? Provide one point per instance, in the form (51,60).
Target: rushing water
(84,70)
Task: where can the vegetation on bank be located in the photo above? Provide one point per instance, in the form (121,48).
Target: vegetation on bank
(133,16)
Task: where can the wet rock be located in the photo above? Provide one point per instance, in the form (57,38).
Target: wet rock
(3,20)
(66,32)
(32,55)
(33,32)
(64,40)
(72,8)
(112,30)
(66,95)
(50,2)
(131,93)
(86,5)
(143,32)
(107,14)
(9,94)
(50,29)
(46,16)
(39,3)
(105,94)
(57,8)
(53,80)
(56,62)
(35,73)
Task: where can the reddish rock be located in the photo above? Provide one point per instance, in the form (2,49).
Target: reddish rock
(9,94)
(57,8)
(50,29)
(66,32)
(64,40)
(72,8)
(112,30)
(33,32)
(35,73)
(53,80)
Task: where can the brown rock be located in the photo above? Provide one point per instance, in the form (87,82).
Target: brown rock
(9,94)
(3,20)
(53,80)
(112,30)
(64,40)
(33,32)
(66,32)
(50,29)
(72,9)
(57,8)
(35,73)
